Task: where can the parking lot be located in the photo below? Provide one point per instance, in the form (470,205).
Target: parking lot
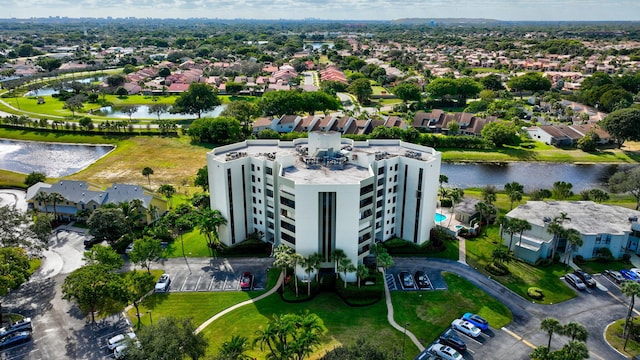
(394,282)
(101,341)
(214,274)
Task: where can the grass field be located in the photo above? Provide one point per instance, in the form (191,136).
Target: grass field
(428,314)
(616,339)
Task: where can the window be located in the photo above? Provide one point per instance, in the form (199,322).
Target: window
(380,181)
(379,214)
(288,202)
(253,189)
(379,203)
(395,178)
(255,221)
(269,171)
(253,168)
(380,193)
(269,193)
(367,189)
(270,214)
(366,201)
(395,167)
(395,189)
(286,225)
(254,211)
(288,238)
(258,168)
(380,170)
(254,199)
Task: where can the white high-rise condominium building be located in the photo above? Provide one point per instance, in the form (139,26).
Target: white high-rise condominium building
(325,193)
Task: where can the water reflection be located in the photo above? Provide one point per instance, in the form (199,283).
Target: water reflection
(142,112)
(53,159)
(533,175)
(46,91)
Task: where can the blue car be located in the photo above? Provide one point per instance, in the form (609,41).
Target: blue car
(629,275)
(15,339)
(476,320)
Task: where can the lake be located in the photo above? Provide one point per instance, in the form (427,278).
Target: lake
(533,175)
(53,159)
(143,113)
(50,91)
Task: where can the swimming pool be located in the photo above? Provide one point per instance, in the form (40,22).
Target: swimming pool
(440,217)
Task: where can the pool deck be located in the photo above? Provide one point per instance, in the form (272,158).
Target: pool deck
(450,223)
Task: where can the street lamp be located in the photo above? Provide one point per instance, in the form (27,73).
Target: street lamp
(404,338)
(151,319)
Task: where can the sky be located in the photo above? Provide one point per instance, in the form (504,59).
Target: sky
(549,10)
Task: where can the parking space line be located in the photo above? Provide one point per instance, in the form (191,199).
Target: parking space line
(468,337)
(184,283)
(197,283)
(213,278)
(224,285)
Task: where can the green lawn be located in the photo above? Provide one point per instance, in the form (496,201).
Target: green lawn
(595,267)
(431,312)
(522,275)
(195,245)
(616,339)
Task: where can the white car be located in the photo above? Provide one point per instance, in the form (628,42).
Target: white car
(119,339)
(163,283)
(120,351)
(445,352)
(466,327)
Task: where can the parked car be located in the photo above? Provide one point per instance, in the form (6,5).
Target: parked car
(445,352)
(246,281)
(20,325)
(15,339)
(120,351)
(476,320)
(406,280)
(629,275)
(422,280)
(575,281)
(163,283)
(635,271)
(89,242)
(450,338)
(614,275)
(586,278)
(119,339)
(128,249)
(466,327)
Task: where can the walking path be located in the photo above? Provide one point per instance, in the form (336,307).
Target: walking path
(239,305)
(393,323)
(462,250)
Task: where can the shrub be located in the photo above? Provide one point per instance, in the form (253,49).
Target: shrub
(535,293)
(578,259)
(626,257)
(544,262)
(497,269)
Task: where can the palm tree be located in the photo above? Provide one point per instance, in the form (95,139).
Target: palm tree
(42,197)
(489,194)
(574,350)
(209,222)
(362,272)
(575,331)
(56,198)
(524,226)
(295,259)
(514,191)
(384,259)
(500,255)
(235,348)
(267,337)
(456,195)
(484,211)
(574,241)
(338,254)
(503,221)
(147,171)
(551,326)
(631,289)
(443,179)
(282,255)
(556,229)
(345,266)
(310,264)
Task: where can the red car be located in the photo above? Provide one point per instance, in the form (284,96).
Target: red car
(246,281)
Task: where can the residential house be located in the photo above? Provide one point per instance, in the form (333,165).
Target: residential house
(600,226)
(78,196)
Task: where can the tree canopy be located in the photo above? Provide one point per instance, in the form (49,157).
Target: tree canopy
(106,223)
(169,338)
(623,125)
(221,130)
(198,99)
(532,81)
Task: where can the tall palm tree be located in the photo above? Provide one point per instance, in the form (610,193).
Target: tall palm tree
(282,255)
(42,197)
(524,226)
(631,289)
(345,266)
(514,191)
(209,222)
(310,264)
(574,350)
(362,272)
(336,256)
(551,326)
(456,195)
(489,194)
(443,179)
(574,241)
(556,229)
(295,260)
(56,198)
(575,331)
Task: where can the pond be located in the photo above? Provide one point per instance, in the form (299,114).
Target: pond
(533,175)
(45,91)
(53,159)
(143,113)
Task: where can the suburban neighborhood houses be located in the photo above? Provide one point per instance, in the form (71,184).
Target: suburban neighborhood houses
(416,188)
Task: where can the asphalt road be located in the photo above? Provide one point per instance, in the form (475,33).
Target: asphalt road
(594,309)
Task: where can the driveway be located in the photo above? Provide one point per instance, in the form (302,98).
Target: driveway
(60,330)
(594,310)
